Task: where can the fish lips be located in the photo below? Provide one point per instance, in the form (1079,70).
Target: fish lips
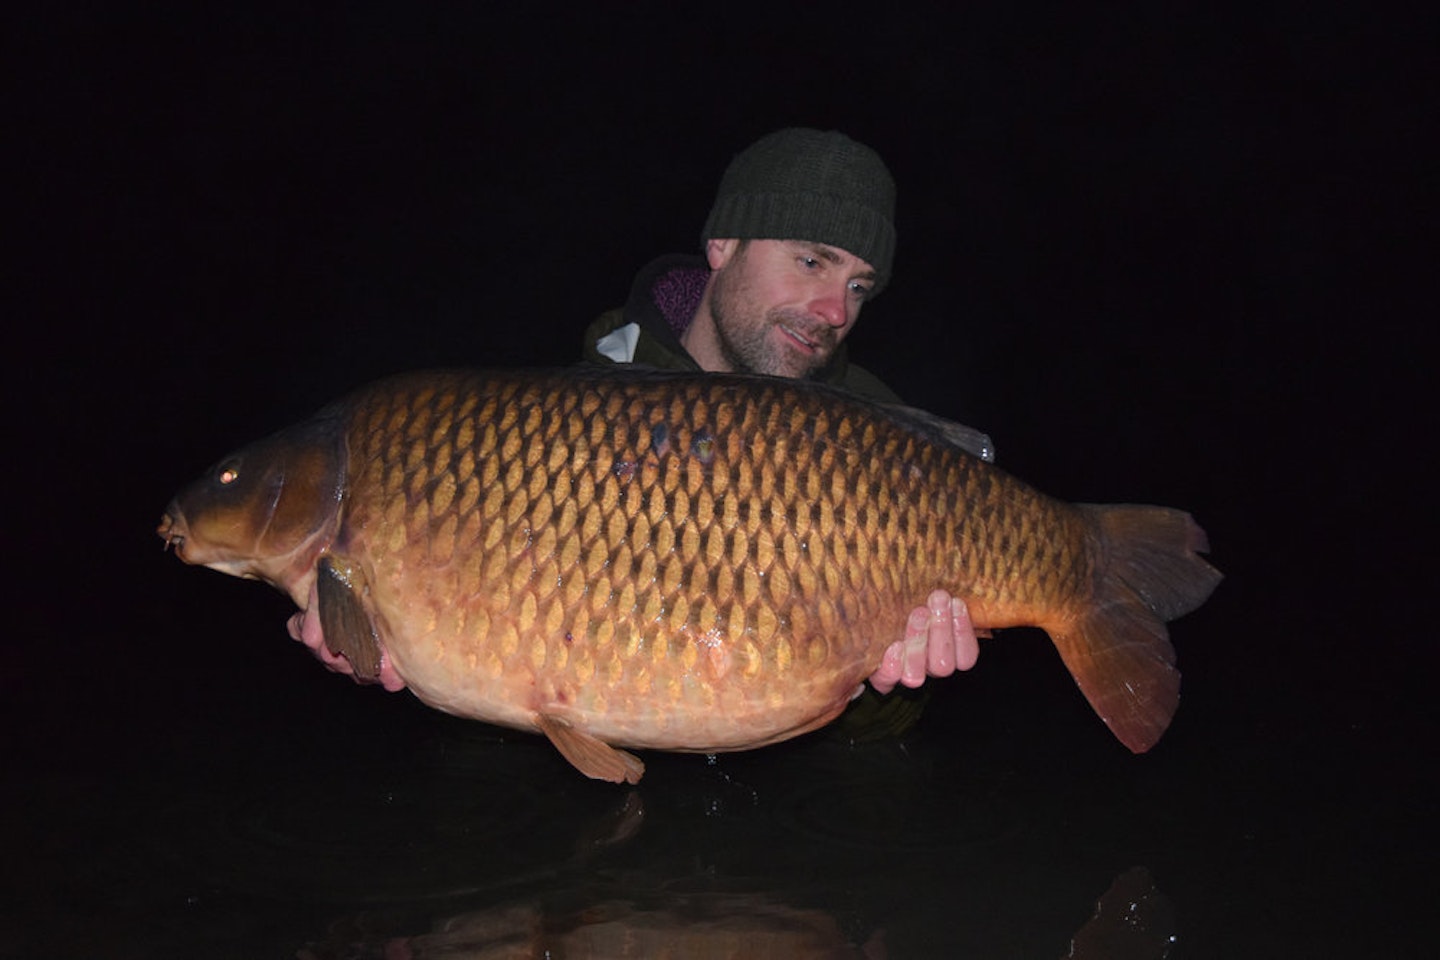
(175,532)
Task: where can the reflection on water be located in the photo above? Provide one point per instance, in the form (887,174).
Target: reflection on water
(1133,921)
(415,835)
(576,911)
(620,920)
(624,918)
(622,915)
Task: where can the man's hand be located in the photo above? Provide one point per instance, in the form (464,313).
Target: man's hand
(939,639)
(305,627)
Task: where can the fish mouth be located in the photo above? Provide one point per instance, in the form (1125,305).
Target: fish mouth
(172,530)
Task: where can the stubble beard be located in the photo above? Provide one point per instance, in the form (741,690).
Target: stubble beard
(744,334)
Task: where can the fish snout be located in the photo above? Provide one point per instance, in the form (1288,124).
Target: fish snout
(172,530)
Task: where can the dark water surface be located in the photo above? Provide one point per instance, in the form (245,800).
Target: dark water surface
(261,807)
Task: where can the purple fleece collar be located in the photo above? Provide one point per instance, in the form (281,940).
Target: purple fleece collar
(677,295)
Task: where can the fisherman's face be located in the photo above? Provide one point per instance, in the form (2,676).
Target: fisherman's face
(781,307)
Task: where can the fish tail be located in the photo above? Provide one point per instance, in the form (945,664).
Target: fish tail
(1148,571)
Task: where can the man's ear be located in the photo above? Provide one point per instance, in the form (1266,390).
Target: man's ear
(718,251)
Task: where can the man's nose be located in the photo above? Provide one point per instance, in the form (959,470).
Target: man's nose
(830,306)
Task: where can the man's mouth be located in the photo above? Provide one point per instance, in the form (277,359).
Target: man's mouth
(812,343)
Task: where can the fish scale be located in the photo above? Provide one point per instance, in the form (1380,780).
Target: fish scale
(676,561)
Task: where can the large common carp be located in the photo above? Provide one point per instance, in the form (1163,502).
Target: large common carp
(690,562)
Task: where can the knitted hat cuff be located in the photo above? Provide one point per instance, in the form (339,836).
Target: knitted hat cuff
(815,217)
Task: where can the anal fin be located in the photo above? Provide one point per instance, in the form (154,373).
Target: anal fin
(588,754)
(347,627)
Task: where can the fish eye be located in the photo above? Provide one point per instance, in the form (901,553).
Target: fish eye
(228,474)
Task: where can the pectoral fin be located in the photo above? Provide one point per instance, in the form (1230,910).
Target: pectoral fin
(591,756)
(348,629)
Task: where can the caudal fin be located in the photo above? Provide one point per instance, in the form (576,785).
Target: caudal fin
(1148,572)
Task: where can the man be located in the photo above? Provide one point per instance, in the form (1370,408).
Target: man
(800,237)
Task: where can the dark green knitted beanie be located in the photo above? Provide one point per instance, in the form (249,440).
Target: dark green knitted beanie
(800,184)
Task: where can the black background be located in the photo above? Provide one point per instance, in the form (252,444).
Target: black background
(1161,253)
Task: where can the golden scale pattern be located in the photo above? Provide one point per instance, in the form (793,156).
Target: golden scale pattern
(694,542)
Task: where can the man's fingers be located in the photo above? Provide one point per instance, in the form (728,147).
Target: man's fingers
(917,640)
(888,673)
(967,647)
(940,648)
